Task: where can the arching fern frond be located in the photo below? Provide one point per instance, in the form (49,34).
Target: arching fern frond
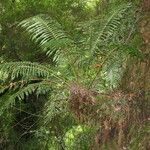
(24,70)
(47,33)
(111,26)
(37,88)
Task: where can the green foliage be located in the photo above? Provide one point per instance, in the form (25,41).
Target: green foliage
(24,70)
(92,53)
(111,26)
(79,137)
(30,74)
(47,33)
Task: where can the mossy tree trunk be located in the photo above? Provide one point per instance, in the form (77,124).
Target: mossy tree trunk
(136,78)
(135,86)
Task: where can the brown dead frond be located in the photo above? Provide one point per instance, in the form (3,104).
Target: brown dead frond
(81,101)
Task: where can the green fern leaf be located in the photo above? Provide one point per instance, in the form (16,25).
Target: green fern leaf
(47,33)
(38,88)
(25,70)
(113,22)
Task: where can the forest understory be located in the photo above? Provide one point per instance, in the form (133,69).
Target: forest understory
(75,75)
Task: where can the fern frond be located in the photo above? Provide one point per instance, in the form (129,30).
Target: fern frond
(24,70)
(38,88)
(111,26)
(46,32)
(3,89)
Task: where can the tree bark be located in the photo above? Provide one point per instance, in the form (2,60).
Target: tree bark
(136,78)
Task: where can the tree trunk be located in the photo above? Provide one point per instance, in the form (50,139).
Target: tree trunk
(136,78)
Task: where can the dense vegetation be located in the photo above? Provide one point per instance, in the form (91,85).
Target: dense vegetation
(74,74)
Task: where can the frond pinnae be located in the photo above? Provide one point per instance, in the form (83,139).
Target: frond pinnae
(24,70)
(111,25)
(37,88)
(47,33)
